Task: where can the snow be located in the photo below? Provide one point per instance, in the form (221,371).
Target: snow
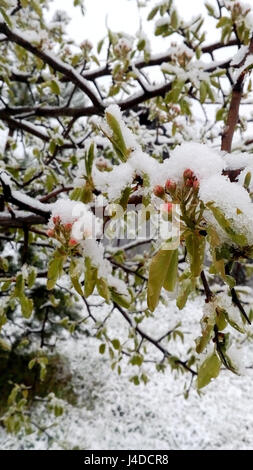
(230,197)
(113,413)
(246,65)
(239,56)
(201,159)
(30,201)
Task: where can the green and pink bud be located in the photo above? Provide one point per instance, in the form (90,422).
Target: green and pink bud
(50,232)
(170,186)
(188,174)
(159,191)
(68,227)
(56,219)
(72,242)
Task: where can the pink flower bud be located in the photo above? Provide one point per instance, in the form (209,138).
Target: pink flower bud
(56,219)
(189,182)
(72,242)
(68,227)
(159,191)
(50,232)
(188,174)
(170,186)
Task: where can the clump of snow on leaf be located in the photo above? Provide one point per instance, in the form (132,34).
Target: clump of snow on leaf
(233,200)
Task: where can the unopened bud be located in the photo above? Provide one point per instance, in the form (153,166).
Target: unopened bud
(56,219)
(72,242)
(189,182)
(68,227)
(50,232)
(159,191)
(170,186)
(188,174)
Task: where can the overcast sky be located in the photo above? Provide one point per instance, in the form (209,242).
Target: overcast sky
(122,15)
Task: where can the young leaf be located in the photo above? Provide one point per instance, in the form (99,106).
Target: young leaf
(103,289)
(208,370)
(225,224)
(90,277)
(163,270)
(186,287)
(117,138)
(171,277)
(195,245)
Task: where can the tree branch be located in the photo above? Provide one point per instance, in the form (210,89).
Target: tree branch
(152,340)
(53,62)
(233,113)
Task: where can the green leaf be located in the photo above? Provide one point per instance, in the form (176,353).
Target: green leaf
(90,277)
(247,180)
(102,348)
(152,13)
(202,92)
(117,138)
(120,299)
(220,114)
(36,7)
(89,159)
(230,320)
(26,306)
(210,9)
(31,277)
(116,344)
(74,276)
(136,360)
(225,224)
(141,44)
(3,318)
(5,286)
(195,245)
(55,268)
(103,289)
(6,17)
(32,363)
(29,174)
(171,277)
(224,21)
(186,287)
(100,45)
(4,265)
(55,88)
(174,19)
(20,285)
(208,370)
(210,92)
(162,30)
(163,270)
(77,285)
(125,197)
